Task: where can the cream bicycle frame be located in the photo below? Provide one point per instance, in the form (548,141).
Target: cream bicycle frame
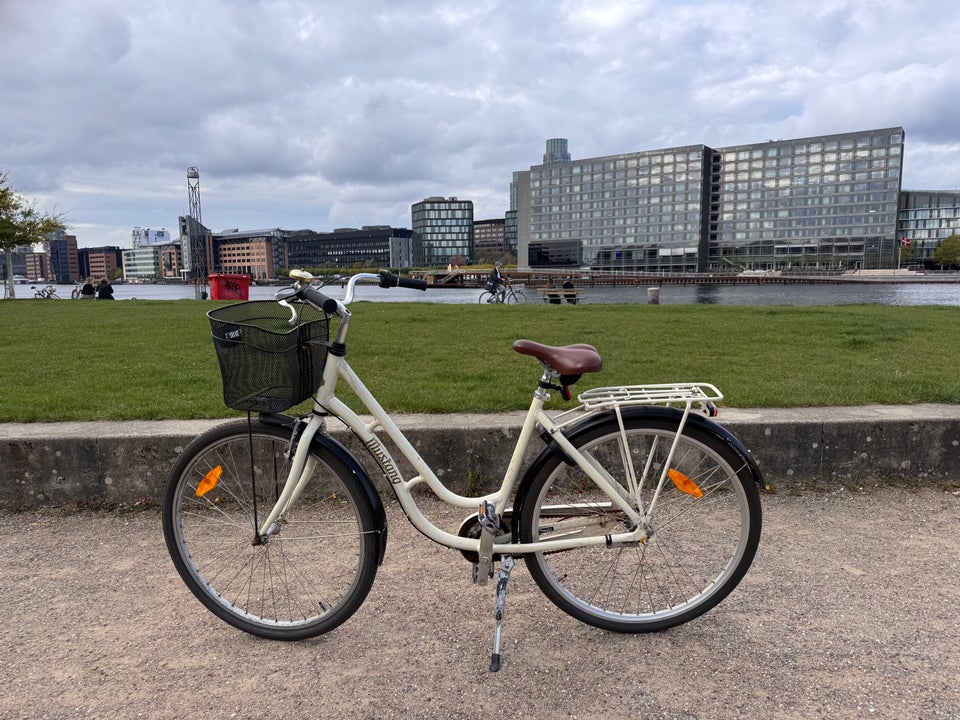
(326,402)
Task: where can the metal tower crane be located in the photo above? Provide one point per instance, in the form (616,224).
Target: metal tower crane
(196,255)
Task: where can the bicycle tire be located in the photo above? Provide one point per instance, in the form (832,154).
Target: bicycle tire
(487,297)
(515,298)
(303,581)
(698,550)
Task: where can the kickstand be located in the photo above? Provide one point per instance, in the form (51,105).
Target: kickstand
(506,565)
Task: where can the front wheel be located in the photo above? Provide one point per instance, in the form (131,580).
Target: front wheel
(516,297)
(703,530)
(304,579)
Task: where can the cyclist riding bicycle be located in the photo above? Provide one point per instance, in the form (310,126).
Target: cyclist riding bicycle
(497,283)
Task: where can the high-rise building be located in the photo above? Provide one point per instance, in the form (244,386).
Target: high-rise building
(37,266)
(510,231)
(489,239)
(826,202)
(100,262)
(63,257)
(143,261)
(171,261)
(442,231)
(820,202)
(257,253)
(556,151)
(926,219)
(196,250)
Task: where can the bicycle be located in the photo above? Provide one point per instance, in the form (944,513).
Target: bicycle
(45,293)
(509,296)
(638,514)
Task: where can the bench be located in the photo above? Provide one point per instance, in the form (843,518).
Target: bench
(558,295)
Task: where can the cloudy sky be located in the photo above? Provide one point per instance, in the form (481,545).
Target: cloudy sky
(326,113)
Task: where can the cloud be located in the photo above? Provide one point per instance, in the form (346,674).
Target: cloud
(322,115)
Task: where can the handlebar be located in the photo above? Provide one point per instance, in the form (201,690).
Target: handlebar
(303,288)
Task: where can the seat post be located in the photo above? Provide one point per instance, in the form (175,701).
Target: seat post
(546,382)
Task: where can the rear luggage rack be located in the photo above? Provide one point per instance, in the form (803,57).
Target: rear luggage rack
(671,394)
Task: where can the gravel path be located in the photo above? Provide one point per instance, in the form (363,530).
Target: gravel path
(851,610)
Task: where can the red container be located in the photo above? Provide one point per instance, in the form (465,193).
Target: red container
(229,287)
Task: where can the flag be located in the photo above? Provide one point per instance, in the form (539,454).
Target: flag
(904,242)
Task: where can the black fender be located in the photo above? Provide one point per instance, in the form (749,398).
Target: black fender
(322,439)
(573,432)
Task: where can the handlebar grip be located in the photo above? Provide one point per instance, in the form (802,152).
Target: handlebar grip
(327,304)
(389,280)
(412,283)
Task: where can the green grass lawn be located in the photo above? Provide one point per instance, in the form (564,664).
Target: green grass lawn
(154,359)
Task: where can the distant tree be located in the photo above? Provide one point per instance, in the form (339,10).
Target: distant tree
(948,252)
(21,224)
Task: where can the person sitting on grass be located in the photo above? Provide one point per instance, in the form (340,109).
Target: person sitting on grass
(104,290)
(89,290)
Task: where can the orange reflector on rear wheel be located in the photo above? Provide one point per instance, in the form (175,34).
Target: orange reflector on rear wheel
(210,481)
(684,484)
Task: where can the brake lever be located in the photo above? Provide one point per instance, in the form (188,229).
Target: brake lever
(293,311)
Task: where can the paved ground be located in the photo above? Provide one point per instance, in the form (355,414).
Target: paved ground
(851,610)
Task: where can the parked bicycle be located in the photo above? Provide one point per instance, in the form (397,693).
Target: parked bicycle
(638,514)
(509,296)
(45,293)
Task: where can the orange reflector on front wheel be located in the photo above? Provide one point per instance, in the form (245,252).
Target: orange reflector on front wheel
(684,484)
(210,481)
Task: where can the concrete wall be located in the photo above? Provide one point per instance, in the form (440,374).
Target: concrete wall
(65,464)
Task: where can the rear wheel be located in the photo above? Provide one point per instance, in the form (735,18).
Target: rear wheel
(303,580)
(698,549)
(487,297)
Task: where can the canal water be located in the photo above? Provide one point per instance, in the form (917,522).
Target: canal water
(922,293)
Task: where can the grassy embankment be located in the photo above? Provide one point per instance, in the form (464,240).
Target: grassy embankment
(154,359)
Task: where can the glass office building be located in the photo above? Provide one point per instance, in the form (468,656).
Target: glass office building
(827,202)
(926,219)
(442,231)
(621,212)
(372,246)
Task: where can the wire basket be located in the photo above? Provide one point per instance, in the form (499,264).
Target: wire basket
(268,365)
